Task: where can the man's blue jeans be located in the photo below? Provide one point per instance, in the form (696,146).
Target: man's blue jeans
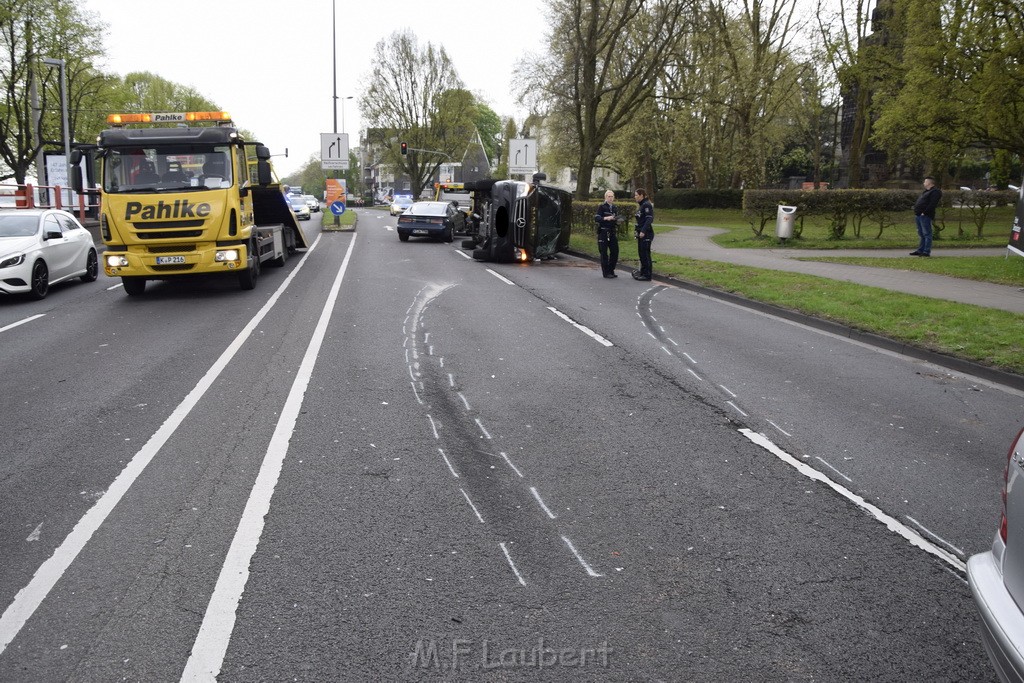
(924,232)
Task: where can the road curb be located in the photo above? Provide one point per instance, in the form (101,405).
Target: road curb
(1009,379)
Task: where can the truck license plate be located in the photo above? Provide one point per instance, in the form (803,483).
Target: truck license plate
(164,260)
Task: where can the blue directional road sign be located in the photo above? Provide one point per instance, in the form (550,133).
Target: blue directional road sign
(337,208)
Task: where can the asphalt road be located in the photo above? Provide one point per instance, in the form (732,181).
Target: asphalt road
(390,462)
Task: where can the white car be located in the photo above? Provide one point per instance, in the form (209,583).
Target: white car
(997,576)
(41,247)
(312,203)
(400,203)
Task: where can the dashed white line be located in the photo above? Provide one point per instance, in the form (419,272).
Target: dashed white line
(779,428)
(514,468)
(689,357)
(433,427)
(451,380)
(464,401)
(501,277)
(667,352)
(894,525)
(416,393)
(22,322)
(449,463)
(727,390)
(540,501)
(699,378)
(737,408)
(822,460)
(475,511)
(483,430)
(582,328)
(672,341)
(579,558)
(463,254)
(508,558)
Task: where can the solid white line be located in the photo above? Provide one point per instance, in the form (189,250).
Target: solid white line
(514,468)
(579,557)
(31,596)
(779,428)
(894,525)
(449,463)
(22,322)
(433,427)
(512,564)
(928,531)
(211,643)
(536,494)
(833,469)
(475,511)
(585,330)
(500,277)
(481,426)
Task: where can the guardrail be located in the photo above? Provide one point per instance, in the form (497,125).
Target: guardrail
(30,196)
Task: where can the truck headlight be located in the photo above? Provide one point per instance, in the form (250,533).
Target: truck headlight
(116,261)
(226,255)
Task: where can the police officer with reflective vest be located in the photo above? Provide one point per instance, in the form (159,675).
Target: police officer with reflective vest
(644,233)
(607,234)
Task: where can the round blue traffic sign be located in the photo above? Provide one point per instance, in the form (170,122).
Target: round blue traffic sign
(337,208)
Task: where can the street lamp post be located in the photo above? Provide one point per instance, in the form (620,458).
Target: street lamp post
(65,132)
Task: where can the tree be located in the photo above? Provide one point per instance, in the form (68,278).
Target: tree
(416,97)
(603,60)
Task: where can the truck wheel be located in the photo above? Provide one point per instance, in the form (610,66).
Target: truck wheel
(248,277)
(282,259)
(134,286)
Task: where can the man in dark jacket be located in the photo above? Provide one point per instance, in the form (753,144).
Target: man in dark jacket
(607,234)
(924,211)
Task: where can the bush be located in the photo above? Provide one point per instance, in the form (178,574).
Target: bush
(583,213)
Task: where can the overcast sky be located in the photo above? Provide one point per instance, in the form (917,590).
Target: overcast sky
(270,64)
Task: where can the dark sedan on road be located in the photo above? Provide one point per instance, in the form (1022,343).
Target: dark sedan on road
(440,220)
(997,576)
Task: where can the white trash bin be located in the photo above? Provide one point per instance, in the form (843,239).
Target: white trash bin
(784,222)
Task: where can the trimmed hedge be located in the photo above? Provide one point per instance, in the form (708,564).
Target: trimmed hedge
(583,213)
(694,198)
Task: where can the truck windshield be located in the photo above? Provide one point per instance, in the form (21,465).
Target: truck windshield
(166,168)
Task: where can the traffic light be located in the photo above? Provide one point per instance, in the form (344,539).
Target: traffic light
(405,149)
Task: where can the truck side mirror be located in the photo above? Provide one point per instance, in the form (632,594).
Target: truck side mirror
(76,170)
(262,152)
(263,175)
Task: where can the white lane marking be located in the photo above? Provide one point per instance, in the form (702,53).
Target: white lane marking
(514,468)
(690,370)
(689,357)
(822,460)
(121,284)
(894,525)
(779,428)
(475,511)
(34,536)
(579,558)
(672,341)
(931,533)
(651,335)
(449,463)
(737,408)
(540,501)
(508,558)
(28,599)
(451,380)
(726,390)
(666,351)
(211,644)
(463,254)
(22,322)
(582,328)
(464,401)
(433,427)
(482,429)
(416,393)
(500,277)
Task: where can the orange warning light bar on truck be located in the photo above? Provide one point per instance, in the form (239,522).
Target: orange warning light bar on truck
(169,117)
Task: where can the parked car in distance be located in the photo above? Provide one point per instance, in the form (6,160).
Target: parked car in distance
(41,247)
(400,203)
(439,220)
(312,202)
(996,577)
(299,206)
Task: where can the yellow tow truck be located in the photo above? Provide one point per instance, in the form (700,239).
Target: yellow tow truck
(183,194)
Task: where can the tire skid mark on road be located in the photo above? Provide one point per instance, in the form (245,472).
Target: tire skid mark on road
(412,327)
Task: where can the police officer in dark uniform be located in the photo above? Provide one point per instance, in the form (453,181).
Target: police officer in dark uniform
(644,233)
(607,234)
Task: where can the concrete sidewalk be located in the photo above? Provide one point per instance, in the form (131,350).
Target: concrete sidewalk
(695,242)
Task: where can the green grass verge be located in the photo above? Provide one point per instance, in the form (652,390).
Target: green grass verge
(982,335)
(959,231)
(345,220)
(996,269)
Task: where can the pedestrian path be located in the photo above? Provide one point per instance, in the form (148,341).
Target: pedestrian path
(695,242)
